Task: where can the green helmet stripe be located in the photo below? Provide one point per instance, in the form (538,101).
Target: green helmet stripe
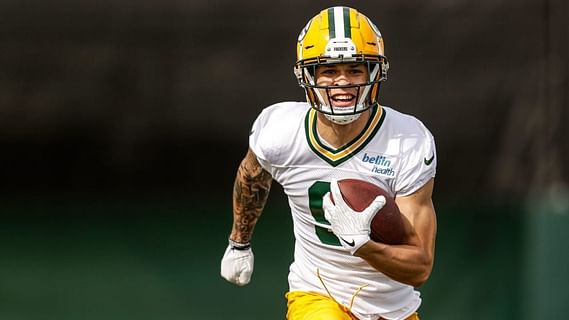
(339,22)
(331,23)
(347,24)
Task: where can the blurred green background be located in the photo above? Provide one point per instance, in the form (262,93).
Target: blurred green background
(122,124)
(159,259)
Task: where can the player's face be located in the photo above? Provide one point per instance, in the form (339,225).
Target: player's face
(340,75)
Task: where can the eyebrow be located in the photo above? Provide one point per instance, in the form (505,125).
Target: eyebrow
(351,66)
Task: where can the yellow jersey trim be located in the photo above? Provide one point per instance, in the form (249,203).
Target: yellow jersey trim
(337,156)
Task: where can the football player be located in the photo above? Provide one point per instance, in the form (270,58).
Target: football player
(340,132)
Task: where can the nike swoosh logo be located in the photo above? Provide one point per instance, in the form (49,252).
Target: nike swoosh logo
(429,161)
(351,243)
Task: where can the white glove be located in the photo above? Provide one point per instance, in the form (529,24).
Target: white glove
(237,263)
(350,226)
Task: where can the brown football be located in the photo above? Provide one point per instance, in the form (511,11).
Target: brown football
(387,224)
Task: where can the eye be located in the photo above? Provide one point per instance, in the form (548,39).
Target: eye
(358,69)
(328,71)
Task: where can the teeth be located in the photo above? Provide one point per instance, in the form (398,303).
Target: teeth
(346,97)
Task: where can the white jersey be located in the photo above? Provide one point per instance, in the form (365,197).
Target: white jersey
(395,151)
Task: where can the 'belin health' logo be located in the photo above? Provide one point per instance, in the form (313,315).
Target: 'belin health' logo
(381,165)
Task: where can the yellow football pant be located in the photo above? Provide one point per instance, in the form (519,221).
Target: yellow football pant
(314,306)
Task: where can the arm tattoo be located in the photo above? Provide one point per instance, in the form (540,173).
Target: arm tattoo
(250,193)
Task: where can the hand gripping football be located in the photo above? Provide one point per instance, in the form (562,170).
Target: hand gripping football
(387,224)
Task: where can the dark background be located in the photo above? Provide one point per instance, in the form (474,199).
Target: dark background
(122,124)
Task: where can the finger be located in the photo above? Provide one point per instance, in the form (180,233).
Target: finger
(245,274)
(225,264)
(374,207)
(244,278)
(327,205)
(336,193)
(377,203)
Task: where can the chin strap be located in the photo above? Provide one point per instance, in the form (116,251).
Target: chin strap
(343,119)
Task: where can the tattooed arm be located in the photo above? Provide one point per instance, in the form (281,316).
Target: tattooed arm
(250,193)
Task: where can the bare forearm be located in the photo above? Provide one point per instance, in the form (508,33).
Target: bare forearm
(250,193)
(404,263)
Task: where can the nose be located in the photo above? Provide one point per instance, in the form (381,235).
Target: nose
(342,79)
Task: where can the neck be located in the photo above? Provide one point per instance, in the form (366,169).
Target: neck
(339,135)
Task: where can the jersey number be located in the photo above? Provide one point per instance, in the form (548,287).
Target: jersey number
(315,194)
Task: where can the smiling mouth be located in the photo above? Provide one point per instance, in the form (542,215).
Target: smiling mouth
(343,100)
(343,97)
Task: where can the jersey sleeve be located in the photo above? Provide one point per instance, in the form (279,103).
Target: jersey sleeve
(256,141)
(273,134)
(420,161)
